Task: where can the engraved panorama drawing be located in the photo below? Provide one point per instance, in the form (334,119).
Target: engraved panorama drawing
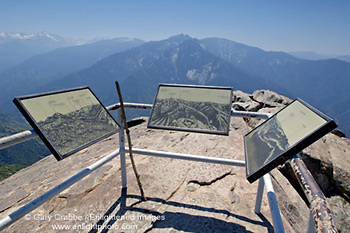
(192,108)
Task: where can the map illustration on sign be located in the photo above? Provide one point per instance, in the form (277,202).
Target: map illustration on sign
(67,121)
(282,136)
(204,109)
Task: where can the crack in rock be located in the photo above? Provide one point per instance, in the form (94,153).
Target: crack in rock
(178,188)
(206,183)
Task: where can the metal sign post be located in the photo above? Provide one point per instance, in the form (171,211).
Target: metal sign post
(129,140)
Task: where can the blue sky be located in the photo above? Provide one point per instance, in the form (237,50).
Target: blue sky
(274,25)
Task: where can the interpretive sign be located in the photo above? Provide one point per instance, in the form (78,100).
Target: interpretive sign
(282,136)
(68,120)
(205,109)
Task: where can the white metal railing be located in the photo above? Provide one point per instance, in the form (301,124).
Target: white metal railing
(13,217)
(17,138)
(29,134)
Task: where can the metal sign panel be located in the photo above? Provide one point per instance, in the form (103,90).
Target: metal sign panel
(205,109)
(68,120)
(282,136)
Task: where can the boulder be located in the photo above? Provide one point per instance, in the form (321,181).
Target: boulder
(270,98)
(244,102)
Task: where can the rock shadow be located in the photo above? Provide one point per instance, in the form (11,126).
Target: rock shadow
(177,220)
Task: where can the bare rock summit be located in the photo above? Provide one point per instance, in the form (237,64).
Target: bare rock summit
(182,196)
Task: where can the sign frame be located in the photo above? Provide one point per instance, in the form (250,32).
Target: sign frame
(18,101)
(298,146)
(196,130)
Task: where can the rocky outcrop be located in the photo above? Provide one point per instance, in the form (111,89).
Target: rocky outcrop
(182,196)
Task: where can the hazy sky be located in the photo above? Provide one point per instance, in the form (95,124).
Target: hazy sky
(322,26)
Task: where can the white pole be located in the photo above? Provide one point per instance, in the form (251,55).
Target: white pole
(275,213)
(311,226)
(197,158)
(17,138)
(259,196)
(258,115)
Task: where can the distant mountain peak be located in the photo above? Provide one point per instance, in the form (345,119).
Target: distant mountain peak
(24,36)
(180,38)
(48,36)
(119,39)
(310,55)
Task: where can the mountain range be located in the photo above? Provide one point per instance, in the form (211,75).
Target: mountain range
(47,67)
(18,47)
(322,83)
(140,66)
(309,55)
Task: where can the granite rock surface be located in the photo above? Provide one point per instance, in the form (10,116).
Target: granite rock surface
(182,196)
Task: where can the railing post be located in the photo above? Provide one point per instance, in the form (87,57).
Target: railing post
(311,226)
(259,196)
(275,212)
(122,150)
